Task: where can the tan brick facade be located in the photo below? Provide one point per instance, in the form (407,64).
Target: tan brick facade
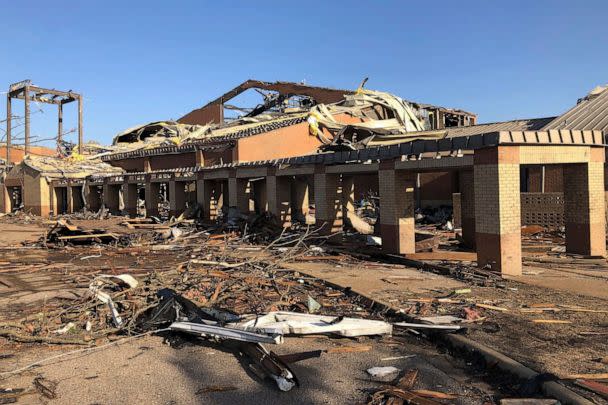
(497,209)
(397,211)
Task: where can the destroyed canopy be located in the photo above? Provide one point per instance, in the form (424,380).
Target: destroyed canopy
(74,167)
(384,118)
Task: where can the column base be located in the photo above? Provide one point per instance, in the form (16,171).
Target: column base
(586,239)
(399,239)
(501,252)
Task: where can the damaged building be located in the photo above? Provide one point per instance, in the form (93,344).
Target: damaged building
(309,154)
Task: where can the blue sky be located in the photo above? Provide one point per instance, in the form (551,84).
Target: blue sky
(137,61)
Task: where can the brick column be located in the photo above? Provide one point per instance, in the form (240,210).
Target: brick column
(152,191)
(397,204)
(584,208)
(238,194)
(259,195)
(129,192)
(328,203)
(278,192)
(467,207)
(5,200)
(93,199)
(110,197)
(177,198)
(69,200)
(456,210)
(208,195)
(348,198)
(300,201)
(497,209)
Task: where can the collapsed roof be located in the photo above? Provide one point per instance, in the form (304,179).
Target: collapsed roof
(379,112)
(73,167)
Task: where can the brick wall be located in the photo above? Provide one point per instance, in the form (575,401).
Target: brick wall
(554,179)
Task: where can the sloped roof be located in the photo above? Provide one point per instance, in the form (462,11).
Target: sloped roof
(591,112)
(531,124)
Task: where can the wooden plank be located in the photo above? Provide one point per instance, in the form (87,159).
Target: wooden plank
(92,236)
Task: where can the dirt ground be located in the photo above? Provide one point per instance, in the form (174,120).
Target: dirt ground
(561,349)
(149,371)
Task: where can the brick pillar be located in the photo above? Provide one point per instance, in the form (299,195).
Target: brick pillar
(69,200)
(110,197)
(397,204)
(238,194)
(328,203)
(260,196)
(300,201)
(278,192)
(467,207)
(76,198)
(456,210)
(497,209)
(585,206)
(93,199)
(129,192)
(348,198)
(208,195)
(5,200)
(177,198)
(152,191)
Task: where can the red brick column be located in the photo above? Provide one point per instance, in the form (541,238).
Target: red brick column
(397,204)
(129,192)
(584,208)
(177,198)
(209,196)
(5,200)
(497,209)
(328,204)
(278,198)
(467,207)
(152,191)
(70,201)
(111,197)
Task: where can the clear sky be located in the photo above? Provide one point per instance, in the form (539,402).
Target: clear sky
(140,61)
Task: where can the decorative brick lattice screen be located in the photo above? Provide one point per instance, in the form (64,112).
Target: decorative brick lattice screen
(545,209)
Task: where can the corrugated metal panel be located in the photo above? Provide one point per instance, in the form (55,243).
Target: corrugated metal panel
(590,113)
(533,124)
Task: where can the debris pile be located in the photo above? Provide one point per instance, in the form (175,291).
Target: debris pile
(63,232)
(240,302)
